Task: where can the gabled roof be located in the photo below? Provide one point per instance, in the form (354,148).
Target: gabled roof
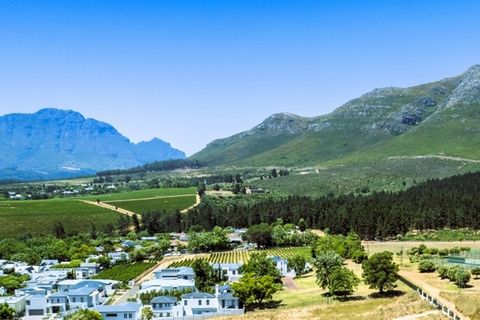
(164,299)
(58,295)
(125,307)
(178,271)
(85,291)
(227,295)
(198,295)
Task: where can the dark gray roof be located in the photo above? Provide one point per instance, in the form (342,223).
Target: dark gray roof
(227,295)
(164,299)
(198,295)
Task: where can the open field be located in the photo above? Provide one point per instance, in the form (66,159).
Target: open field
(140,194)
(168,203)
(396,246)
(38,217)
(307,301)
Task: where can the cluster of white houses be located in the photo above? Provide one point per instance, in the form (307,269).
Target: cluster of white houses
(51,294)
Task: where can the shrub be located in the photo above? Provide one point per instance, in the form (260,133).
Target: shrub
(476,272)
(462,277)
(452,273)
(426,266)
(359,256)
(443,272)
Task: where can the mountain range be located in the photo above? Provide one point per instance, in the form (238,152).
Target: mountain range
(439,119)
(54,143)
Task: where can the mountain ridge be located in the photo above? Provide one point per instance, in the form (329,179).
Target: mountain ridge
(52,143)
(379,118)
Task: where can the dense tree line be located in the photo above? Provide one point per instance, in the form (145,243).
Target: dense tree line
(448,203)
(165,165)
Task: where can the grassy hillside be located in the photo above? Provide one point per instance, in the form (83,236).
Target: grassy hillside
(38,217)
(376,117)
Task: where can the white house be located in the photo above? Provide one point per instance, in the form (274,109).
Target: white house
(163,307)
(118,256)
(230,270)
(282,266)
(185,273)
(198,304)
(167,284)
(129,310)
(108,286)
(36,304)
(15,302)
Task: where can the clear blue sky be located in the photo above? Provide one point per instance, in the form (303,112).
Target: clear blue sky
(192,71)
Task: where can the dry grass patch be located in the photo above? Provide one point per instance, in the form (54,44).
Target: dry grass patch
(362,309)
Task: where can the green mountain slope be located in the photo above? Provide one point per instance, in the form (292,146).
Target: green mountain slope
(439,118)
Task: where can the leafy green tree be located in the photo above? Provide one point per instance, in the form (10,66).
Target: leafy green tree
(136,223)
(147,313)
(261,234)
(204,275)
(325,263)
(7,313)
(85,314)
(343,282)
(297,263)
(59,230)
(254,290)
(302,225)
(260,265)
(380,272)
(209,241)
(426,266)
(279,235)
(201,189)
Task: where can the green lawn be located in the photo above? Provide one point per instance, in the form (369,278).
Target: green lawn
(37,217)
(139,194)
(169,204)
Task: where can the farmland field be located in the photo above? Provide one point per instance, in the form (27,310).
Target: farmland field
(140,194)
(171,203)
(38,217)
(244,255)
(125,271)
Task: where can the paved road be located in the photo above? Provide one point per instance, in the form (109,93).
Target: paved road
(130,293)
(289,283)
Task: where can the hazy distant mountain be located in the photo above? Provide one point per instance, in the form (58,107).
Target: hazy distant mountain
(440,118)
(55,143)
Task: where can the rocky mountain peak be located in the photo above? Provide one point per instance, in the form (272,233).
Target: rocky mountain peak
(280,123)
(468,90)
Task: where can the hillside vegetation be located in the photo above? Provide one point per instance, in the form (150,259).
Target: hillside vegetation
(435,119)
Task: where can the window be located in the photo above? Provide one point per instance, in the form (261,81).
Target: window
(111,315)
(81,299)
(73,299)
(208,302)
(130,315)
(199,302)
(125,316)
(186,302)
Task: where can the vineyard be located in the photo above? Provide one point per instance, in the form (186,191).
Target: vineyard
(125,271)
(243,256)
